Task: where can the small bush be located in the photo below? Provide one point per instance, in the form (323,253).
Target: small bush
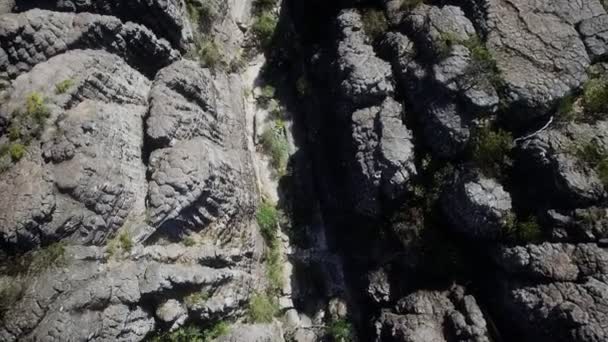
(263,28)
(264,5)
(262,308)
(565,110)
(275,144)
(595,97)
(14,132)
(36,107)
(527,230)
(196,298)
(184,334)
(340,330)
(126,242)
(374,23)
(17,151)
(122,242)
(189,241)
(50,256)
(266,95)
(201,14)
(490,150)
(593,156)
(209,54)
(63,86)
(218,330)
(274,267)
(267,217)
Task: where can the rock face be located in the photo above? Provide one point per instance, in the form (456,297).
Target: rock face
(559,155)
(167,18)
(561,288)
(477,207)
(434,316)
(538,48)
(112,149)
(34,36)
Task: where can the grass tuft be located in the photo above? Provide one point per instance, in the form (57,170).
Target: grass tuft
(262,308)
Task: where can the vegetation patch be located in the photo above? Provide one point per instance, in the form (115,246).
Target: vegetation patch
(122,243)
(592,155)
(490,151)
(267,94)
(50,256)
(262,308)
(267,217)
(63,86)
(209,54)
(197,298)
(17,151)
(527,230)
(263,28)
(595,97)
(275,144)
(340,330)
(374,23)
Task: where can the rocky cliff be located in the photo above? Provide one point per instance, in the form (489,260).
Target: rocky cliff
(380,170)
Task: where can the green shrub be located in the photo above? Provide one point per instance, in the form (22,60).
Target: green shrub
(267,217)
(202,14)
(593,156)
(595,96)
(274,267)
(262,308)
(218,330)
(263,28)
(36,107)
(14,132)
(196,298)
(122,242)
(189,241)
(266,95)
(340,330)
(191,333)
(527,230)
(126,242)
(565,110)
(408,5)
(209,54)
(490,150)
(63,86)
(50,256)
(374,23)
(17,151)
(275,144)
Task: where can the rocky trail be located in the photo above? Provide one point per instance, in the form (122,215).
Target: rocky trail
(283,170)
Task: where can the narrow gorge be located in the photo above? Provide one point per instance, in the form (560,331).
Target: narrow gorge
(307,171)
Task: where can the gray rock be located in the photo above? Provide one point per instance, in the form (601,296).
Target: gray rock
(556,262)
(253,333)
(433,316)
(446,128)
(595,33)
(538,49)
(433,26)
(586,224)
(560,288)
(362,78)
(379,287)
(383,155)
(171,311)
(84,178)
(476,206)
(555,153)
(29,38)
(167,18)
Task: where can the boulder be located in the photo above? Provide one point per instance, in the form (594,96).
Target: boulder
(476,206)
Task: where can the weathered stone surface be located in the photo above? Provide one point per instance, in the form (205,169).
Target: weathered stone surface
(85,177)
(37,35)
(476,206)
(538,49)
(363,79)
(561,288)
(433,316)
(167,18)
(446,128)
(383,155)
(587,225)
(556,154)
